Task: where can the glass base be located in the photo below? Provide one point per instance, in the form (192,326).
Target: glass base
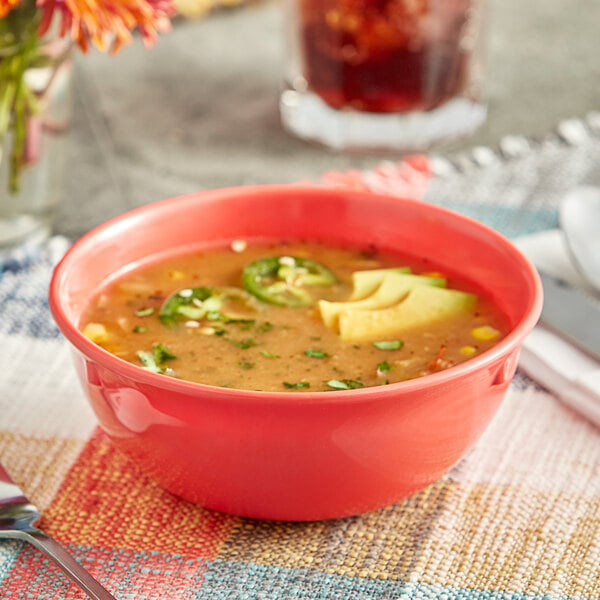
(306,116)
(23,231)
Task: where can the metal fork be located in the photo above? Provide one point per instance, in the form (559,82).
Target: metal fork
(17,519)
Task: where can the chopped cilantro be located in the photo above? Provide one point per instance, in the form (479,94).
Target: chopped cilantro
(245,364)
(264,327)
(139,329)
(144,312)
(316,353)
(344,384)
(269,354)
(154,360)
(243,344)
(296,386)
(244,324)
(162,353)
(389,345)
(384,367)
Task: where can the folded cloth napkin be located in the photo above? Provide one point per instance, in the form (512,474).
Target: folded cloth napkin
(549,359)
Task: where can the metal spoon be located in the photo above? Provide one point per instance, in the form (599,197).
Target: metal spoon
(579,215)
(17,518)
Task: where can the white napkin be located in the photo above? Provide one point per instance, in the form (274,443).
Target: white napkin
(573,376)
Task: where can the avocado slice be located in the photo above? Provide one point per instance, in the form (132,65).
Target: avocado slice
(364,283)
(394,286)
(424,305)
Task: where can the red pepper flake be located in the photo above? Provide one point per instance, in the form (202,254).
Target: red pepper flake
(439,363)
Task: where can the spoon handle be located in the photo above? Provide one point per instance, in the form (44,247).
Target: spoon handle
(63,559)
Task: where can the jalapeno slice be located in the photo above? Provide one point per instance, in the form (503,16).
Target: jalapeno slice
(212,303)
(283,280)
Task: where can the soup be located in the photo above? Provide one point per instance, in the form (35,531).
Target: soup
(299,316)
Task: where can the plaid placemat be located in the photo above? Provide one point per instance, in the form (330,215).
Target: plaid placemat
(518,518)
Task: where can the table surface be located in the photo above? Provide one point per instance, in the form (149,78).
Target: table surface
(199,110)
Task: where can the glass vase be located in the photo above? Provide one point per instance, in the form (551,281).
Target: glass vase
(33,148)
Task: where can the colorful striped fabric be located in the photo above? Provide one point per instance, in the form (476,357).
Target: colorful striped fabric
(518,518)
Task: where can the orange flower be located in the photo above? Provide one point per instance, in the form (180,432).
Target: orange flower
(106,24)
(6,5)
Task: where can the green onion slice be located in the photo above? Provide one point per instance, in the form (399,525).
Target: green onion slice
(316,353)
(389,345)
(344,384)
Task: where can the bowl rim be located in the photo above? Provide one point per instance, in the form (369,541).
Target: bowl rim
(133,372)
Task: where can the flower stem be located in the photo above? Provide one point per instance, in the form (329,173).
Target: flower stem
(19,50)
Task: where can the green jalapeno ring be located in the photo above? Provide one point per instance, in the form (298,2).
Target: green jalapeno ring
(281,280)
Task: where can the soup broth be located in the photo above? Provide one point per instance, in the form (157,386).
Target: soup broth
(249,343)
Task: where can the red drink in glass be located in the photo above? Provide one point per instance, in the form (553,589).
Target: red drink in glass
(386,56)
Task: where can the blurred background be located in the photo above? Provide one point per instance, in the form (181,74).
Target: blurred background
(200,109)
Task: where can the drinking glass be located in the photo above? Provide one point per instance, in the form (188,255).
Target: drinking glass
(383,74)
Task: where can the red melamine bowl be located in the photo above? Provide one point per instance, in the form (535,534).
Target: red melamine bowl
(300,455)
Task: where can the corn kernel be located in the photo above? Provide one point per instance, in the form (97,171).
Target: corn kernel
(176,275)
(96,332)
(468,350)
(485,333)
